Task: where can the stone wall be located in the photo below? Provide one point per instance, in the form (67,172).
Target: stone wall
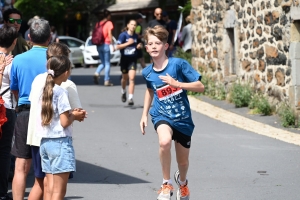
(245,40)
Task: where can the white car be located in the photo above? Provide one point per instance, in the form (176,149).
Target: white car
(91,56)
(75,45)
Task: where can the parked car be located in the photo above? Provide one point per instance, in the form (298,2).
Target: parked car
(75,45)
(91,56)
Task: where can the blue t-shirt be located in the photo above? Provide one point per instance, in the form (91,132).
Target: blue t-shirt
(171,104)
(129,51)
(25,68)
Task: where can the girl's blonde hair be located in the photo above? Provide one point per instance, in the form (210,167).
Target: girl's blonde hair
(59,65)
(57,49)
(158,31)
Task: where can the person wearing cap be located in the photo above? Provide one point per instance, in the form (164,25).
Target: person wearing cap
(139,31)
(171,26)
(186,35)
(158,19)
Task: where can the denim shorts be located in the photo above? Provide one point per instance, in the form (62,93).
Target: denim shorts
(57,155)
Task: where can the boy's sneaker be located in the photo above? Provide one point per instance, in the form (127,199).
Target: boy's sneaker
(130,102)
(165,192)
(183,192)
(124,97)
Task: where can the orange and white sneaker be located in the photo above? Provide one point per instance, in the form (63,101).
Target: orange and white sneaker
(183,192)
(165,192)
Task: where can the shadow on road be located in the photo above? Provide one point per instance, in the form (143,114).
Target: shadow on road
(115,79)
(93,174)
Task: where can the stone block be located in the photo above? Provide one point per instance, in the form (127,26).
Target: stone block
(294,50)
(295,72)
(295,12)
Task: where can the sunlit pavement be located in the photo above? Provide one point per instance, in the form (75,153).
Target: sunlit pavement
(115,161)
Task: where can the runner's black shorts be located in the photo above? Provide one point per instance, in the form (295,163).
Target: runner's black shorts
(128,63)
(177,136)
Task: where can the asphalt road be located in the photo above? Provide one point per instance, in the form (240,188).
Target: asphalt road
(115,161)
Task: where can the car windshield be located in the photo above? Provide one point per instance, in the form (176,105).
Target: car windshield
(89,43)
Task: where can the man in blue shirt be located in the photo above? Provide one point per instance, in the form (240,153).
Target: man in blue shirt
(25,68)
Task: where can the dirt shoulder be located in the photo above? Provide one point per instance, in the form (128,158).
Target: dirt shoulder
(243,122)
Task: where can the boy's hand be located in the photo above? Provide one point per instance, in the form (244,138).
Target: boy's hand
(169,80)
(143,124)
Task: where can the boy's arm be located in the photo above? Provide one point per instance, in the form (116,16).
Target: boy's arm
(196,86)
(147,103)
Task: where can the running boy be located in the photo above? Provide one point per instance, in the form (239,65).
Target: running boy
(168,79)
(127,43)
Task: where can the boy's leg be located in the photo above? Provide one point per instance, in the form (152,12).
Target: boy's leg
(37,190)
(165,142)
(182,156)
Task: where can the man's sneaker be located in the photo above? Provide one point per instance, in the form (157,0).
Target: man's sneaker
(124,97)
(130,102)
(107,83)
(183,192)
(165,192)
(96,79)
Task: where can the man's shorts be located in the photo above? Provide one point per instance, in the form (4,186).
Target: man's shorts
(37,163)
(57,155)
(127,63)
(177,136)
(19,147)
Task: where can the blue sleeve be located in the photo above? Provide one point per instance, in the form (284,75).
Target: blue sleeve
(121,39)
(189,73)
(13,77)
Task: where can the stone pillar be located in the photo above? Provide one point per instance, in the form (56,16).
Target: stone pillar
(294,91)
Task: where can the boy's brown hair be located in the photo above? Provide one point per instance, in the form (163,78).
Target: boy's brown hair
(158,31)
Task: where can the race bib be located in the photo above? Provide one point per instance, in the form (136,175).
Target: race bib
(129,51)
(167,91)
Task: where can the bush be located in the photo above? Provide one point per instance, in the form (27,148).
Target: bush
(287,115)
(260,104)
(241,95)
(184,55)
(264,106)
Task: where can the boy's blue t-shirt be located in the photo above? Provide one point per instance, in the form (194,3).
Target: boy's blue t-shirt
(129,51)
(25,67)
(172,104)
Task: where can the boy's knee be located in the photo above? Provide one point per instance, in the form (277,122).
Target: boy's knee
(165,145)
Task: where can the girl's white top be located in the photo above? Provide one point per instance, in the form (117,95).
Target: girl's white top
(8,97)
(60,105)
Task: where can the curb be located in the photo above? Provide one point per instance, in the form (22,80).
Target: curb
(243,122)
